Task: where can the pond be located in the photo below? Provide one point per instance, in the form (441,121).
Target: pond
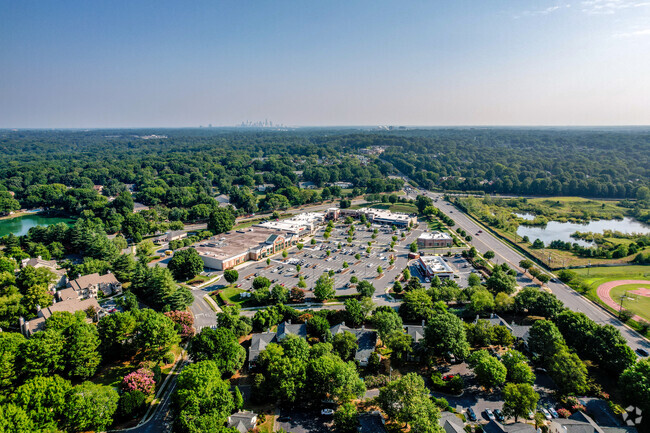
(525,216)
(562,231)
(21,225)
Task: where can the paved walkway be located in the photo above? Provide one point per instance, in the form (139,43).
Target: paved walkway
(603,293)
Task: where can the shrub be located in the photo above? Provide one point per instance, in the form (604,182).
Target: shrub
(140,380)
(377,381)
(169,357)
(625,315)
(130,403)
(184,322)
(563,413)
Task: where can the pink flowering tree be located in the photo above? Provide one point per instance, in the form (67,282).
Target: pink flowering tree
(184,322)
(139,380)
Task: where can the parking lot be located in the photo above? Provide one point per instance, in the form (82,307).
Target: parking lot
(314,260)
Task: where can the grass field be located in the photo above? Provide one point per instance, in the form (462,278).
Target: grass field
(639,305)
(594,277)
(230,295)
(397,207)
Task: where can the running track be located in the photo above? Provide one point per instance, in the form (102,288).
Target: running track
(603,292)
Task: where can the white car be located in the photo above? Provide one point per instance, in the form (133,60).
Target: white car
(327,412)
(545,413)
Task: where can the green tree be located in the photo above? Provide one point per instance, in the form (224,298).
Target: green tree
(202,399)
(10,345)
(219,345)
(503,303)
(115,332)
(501,281)
(474,280)
(400,344)
(319,327)
(635,384)
(42,354)
(489,255)
(145,250)
(238,399)
(481,302)
(186,264)
(124,267)
(545,339)
(279,294)
(155,334)
(354,312)
(518,369)
(568,372)
(324,288)
(365,289)
(413,247)
(231,275)
(45,399)
(91,407)
(416,305)
(489,371)
(329,377)
(81,350)
(345,418)
(407,400)
(261,283)
(518,400)
(221,220)
(345,344)
(386,322)
(444,333)
(16,418)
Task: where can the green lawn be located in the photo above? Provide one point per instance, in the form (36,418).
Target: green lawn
(637,304)
(230,295)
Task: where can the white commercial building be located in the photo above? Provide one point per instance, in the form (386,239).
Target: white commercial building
(434,266)
(301,224)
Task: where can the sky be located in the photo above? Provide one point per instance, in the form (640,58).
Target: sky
(95,64)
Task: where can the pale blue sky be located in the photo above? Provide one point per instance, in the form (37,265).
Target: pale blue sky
(409,62)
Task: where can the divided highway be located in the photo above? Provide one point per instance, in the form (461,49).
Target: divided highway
(503,253)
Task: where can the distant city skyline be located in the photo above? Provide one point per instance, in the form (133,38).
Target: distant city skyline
(329,63)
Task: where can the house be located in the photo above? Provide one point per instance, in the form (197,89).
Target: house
(89,286)
(307,185)
(371,422)
(520,332)
(517,427)
(38,262)
(450,423)
(266,187)
(434,240)
(417,334)
(259,341)
(70,305)
(580,422)
(366,341)
(139,207)
(243,421)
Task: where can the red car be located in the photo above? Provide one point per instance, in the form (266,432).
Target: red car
(448,377)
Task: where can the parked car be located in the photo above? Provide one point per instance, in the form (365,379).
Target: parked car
(545,413)
(489,414)
(531,415)
(284,418)
(499,415)
(327,412)
(470,414)
(553,412)
(642,352)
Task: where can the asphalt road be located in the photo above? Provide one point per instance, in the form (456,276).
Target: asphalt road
(573,300)
(204,316)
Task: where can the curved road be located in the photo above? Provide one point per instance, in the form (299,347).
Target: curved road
(503,253)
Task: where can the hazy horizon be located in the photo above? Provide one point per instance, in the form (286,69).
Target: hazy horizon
(533,63)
